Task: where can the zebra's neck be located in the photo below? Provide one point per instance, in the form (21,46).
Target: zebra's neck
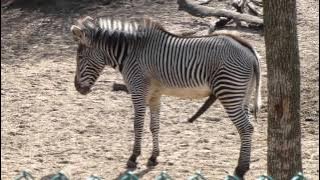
(117,38)
(116,47)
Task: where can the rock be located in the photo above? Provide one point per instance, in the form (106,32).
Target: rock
(315,156)
(170,163)
(310,119)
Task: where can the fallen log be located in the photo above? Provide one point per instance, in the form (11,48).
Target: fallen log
(197,10)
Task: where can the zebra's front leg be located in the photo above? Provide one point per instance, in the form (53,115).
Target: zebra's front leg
(154,105)
(139,112)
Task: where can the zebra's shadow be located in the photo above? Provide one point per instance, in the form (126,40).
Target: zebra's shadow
(138,173)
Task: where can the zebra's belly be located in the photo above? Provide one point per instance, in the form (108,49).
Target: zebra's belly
(193,93)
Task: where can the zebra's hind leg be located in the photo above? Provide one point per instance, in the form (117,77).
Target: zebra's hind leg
(237,113)
(139,113)
(245,150)
(154,105)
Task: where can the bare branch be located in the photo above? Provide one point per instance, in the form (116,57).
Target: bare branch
(195,9)
(5,3)
(255,9)
(202,2)
(239,5)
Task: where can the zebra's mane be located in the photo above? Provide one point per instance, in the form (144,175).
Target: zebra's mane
(128,27)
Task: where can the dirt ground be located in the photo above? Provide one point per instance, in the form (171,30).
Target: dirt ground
(46,126)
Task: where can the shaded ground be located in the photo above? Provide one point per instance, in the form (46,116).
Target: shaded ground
(47,126)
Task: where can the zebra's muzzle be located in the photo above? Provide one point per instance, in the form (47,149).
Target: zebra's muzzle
(84,90)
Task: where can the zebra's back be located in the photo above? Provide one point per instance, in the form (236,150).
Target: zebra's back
(188,64)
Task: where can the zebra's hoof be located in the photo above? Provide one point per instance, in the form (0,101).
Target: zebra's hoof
(152,162)
(240,172)
(131,165)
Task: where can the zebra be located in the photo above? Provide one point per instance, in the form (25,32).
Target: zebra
(154,62)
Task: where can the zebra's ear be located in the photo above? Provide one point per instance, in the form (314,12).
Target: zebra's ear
(78,34)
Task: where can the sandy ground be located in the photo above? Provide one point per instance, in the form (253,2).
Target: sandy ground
(46,126)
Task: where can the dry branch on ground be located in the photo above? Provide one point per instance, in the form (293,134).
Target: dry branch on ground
(225,16)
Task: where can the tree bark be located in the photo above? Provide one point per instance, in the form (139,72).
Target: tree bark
(202,11)
(282,53)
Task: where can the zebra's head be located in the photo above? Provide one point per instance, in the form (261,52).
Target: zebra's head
(90,60)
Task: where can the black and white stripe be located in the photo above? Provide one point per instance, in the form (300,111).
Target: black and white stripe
(155,62)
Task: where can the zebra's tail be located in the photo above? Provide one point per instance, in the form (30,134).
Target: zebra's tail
(257,101)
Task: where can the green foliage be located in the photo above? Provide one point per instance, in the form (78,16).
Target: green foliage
(59,176)
(25,176)
(92,177)
(299,176)
(129,176)
(264,177)
(232,178)
(163,176)
(197,176)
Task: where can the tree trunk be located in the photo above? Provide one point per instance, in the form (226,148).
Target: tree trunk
(282,53)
